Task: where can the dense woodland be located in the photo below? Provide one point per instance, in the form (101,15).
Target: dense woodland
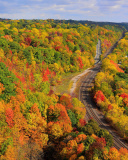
(35,122)
(111,87)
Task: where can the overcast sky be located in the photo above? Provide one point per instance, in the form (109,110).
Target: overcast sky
(94,10)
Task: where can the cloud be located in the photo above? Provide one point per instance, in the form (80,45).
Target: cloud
(110,5)
(66,9)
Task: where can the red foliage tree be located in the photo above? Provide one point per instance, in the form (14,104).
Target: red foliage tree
(9,117)
(10,52)
(66,101)
(35,109)
(109,107)
(125,99)
(102,141)
(28,40)
(32,77)
(123,151)
(82,122)
(117,67)
(27,65)
(45,74)
(124,95)
(107,43)
(80,148)
(99,96)
(80,63)
(57,48)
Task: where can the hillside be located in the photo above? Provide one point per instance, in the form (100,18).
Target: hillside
(35,122)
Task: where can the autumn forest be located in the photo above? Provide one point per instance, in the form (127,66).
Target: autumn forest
(37,122)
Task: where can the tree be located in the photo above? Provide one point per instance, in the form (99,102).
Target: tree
(108,137)
(80,148)
(55,130)
(99,97)
(9,117)
(113,154)
(7,78)
(72,117)
(80,138)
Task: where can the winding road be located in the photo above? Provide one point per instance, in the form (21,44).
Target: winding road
(91,108)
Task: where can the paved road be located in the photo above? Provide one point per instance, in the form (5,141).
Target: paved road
(91,108)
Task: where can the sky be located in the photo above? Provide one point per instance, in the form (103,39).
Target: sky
(93,10)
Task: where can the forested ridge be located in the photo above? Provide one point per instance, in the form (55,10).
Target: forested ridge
(35,122)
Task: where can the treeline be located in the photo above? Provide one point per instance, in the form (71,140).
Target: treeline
(122,25)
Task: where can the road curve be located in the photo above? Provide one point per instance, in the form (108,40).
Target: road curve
(75,79)
(91,108)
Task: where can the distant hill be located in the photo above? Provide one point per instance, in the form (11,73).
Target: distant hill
(56,21)
(123,24)
(4,19)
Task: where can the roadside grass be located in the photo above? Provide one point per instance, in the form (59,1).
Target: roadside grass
(66,83)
